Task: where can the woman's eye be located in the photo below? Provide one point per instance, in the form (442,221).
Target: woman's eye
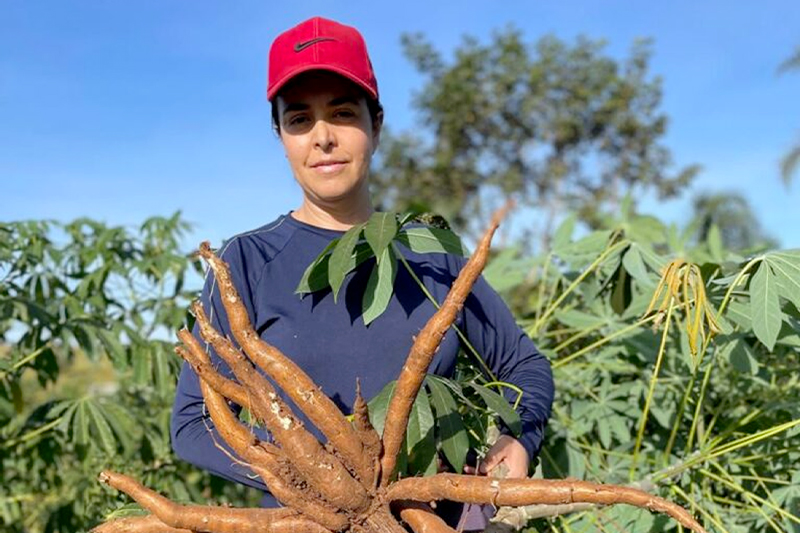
(345,113)
(297,119)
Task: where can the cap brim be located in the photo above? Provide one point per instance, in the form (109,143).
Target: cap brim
(275,89)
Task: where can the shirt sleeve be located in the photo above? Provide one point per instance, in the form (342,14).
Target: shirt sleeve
(194,437)
(512,357)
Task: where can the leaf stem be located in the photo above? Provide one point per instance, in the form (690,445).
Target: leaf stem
(32,434)
(602,341)
(652,389)
(700,457)
(25,360)
(470,348)
(501,384)
(597,262)
(735,282)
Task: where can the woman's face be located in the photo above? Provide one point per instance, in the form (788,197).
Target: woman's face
(328,137)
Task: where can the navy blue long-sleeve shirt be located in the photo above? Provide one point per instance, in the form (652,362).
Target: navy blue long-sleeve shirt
(331,343)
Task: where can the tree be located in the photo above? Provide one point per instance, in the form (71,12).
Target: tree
(562,127)
(731,213)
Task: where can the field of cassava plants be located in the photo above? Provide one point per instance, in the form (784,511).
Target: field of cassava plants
(676,367)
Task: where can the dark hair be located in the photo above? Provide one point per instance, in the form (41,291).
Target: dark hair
(374,106)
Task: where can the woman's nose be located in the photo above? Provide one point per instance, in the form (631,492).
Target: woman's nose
(324,136)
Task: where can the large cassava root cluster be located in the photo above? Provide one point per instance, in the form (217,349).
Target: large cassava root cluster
(348,483)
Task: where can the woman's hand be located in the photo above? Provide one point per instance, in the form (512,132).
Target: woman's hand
(508,451)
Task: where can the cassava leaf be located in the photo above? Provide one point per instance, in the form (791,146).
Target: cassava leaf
(340,263)
(452,433)
(102,427)
(162,378)
(634,264)
(740,355)
(381,228)
(426,239)
(378,405)
(380,285)
(765,307)
(563,234)
(584,250)
(80,425)
(113,347)
(315,276)
(420,440)
(497,403)
(786,267)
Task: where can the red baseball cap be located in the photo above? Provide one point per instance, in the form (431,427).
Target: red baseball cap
(320,44)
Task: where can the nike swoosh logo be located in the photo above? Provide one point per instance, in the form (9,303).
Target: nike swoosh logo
(299,47)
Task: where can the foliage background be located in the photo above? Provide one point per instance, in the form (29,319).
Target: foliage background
(716,428)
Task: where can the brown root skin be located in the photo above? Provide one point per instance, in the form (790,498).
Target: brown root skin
(192,353)
(519,492)
(320,409)
(424,348)
(137,524)
(204,519)
(366,432)
(379,521)
(323,471)
(264,460)
(421,518)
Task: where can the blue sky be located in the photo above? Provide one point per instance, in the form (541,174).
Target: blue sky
(122,110)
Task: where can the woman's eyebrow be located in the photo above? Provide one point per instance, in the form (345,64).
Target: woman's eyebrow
(348,99)
(297,106)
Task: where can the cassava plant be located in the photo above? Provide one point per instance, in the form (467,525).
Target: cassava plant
(350,482)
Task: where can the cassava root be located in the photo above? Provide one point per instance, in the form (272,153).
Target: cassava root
(348,484)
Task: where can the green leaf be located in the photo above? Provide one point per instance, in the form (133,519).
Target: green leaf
(381,228)
(651,258)
(112,345)
(103,428)
(378,406)
(315,276)
(634,264)
(426,240)
(786,267)
(452,433)
(80,425)
(122,423)
(405,218)
(507,270)
(740,313)
(162,378)
(340,263)
(420,440)
(585,250)
(497,403)
(740,355)
(578,319)
(380,286)
(766,310)
(143,366)
(563,234)
(646,229)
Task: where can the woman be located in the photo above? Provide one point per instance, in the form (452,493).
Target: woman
(327,112)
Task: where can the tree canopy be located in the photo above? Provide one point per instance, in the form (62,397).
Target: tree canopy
(561,126)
